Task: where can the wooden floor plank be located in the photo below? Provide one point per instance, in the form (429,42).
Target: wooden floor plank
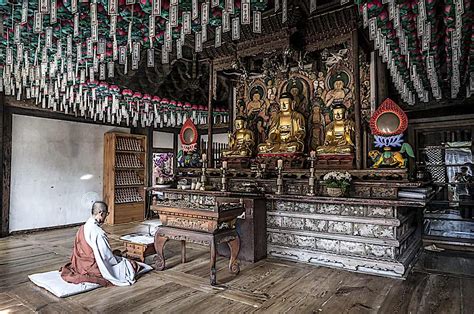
(401,292)
(167,298)
(7,302)
(214,305)
(40,300)
(18,308)
(467,293)
(316,288)
(268,286)
(438,294)
(354,294)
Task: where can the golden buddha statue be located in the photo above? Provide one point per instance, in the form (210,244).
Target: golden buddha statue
(339,134)
(241,142)
(287,130)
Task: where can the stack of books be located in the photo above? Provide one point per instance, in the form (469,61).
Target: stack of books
(420,193)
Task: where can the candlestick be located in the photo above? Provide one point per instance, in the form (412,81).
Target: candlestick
(311,173)
(224,179)
(203,171)
(280,177)
(280,163)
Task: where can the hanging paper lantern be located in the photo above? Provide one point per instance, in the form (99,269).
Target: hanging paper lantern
(147,98)
(187,111)
(164,111)
(92,83)
(114,90)
(156,100)
(103,89)
(195,113)
(127,94)
(137,96)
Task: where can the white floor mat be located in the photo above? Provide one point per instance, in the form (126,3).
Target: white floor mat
(53,282)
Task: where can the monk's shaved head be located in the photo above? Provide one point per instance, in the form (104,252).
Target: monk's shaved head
(99,207)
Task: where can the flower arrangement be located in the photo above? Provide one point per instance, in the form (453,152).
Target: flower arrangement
(335,179)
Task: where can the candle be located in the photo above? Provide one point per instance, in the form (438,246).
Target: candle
(224,165)
(280,163)
(312,154)
(204,157)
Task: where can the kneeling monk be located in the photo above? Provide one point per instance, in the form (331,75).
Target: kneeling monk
(92,258)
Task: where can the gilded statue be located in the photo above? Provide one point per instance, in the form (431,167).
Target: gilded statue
(287,129)
(241,142)
(339,134)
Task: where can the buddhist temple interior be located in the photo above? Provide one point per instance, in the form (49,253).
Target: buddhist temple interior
(237,156)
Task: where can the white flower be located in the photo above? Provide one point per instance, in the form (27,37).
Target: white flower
(338,176)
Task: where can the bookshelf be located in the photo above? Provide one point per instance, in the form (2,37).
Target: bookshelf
(125,176)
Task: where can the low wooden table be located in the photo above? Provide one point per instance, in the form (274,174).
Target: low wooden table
(137,249)
(230,236)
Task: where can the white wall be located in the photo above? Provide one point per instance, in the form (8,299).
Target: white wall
(56,171)
(162,140)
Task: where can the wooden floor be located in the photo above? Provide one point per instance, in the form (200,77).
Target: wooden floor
(269,286)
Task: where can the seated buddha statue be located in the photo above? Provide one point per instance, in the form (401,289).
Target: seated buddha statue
(287,130)
(339,134)
(241,142)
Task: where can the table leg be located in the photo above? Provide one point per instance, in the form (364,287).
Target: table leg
(213,263)
(234,246)
(160,258)
(183,251)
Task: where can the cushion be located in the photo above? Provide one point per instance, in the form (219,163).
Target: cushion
(53,282)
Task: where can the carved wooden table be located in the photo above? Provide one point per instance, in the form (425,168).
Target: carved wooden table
(163,234)
(201,217)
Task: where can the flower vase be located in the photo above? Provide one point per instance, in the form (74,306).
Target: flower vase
(335,192)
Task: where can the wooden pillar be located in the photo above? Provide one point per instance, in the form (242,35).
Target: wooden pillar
(5,162)
(210,161)
(381,79)
(231,101)
(358,133)
(365,146)
(149,142)
(175,152)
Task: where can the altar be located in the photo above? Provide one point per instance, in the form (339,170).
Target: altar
(318,206)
